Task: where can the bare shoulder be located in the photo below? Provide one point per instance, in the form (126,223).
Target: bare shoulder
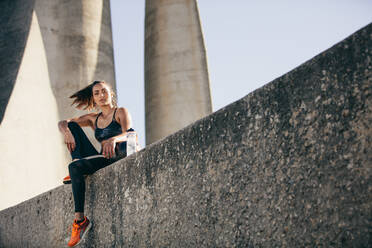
(122,113)
(122,110)
(123,117)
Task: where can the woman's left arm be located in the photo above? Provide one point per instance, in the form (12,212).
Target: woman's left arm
(125,121)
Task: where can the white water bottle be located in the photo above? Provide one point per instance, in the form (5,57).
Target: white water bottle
(131,143)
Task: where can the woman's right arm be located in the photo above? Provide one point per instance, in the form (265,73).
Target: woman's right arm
(67,135)
(83,121)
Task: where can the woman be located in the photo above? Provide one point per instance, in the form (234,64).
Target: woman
(110,126)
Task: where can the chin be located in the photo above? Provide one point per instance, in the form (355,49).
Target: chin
(104,105)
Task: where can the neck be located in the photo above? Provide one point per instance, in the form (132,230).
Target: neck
(107,109)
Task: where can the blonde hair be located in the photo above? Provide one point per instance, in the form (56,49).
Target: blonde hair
(84,97)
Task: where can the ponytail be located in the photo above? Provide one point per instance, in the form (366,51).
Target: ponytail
(84,97)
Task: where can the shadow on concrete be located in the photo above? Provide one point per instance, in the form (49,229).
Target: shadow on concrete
(15,23)
(59,23)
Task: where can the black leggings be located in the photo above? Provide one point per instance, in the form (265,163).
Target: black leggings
(89,162)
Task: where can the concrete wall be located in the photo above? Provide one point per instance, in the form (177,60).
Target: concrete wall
(176,74)
(289,165)
(48,50)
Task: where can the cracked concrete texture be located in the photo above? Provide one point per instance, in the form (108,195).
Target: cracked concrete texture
(289,165)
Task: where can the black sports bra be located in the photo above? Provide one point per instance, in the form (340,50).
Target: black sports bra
(111,130)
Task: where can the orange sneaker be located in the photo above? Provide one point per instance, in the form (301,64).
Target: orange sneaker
(67,180)
(78,231)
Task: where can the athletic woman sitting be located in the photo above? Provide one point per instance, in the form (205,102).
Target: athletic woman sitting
(110,126)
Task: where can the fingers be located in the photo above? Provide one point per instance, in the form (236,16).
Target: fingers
(70,143)
(103,148)
(71,146)
(108,150)
(112,151)
(105,151)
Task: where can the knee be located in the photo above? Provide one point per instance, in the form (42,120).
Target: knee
(73,125)
(74,168)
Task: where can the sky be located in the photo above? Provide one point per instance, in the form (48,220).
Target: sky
(248,43)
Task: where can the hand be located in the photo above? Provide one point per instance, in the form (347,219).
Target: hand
(70,141)
(108,148)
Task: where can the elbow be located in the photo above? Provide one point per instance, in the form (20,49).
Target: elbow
(62,123)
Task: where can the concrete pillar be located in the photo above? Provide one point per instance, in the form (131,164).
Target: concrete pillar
(176,74)
(78,43)
(52,49)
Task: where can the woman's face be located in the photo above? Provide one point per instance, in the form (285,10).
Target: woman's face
(102,94)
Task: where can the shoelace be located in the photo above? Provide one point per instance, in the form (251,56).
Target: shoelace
(75,229)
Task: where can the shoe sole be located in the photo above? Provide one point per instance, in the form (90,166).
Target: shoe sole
(86,231)
(69,181)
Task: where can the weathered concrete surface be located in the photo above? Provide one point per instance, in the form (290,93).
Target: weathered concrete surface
(48,50)
(289,165)
(176,73)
